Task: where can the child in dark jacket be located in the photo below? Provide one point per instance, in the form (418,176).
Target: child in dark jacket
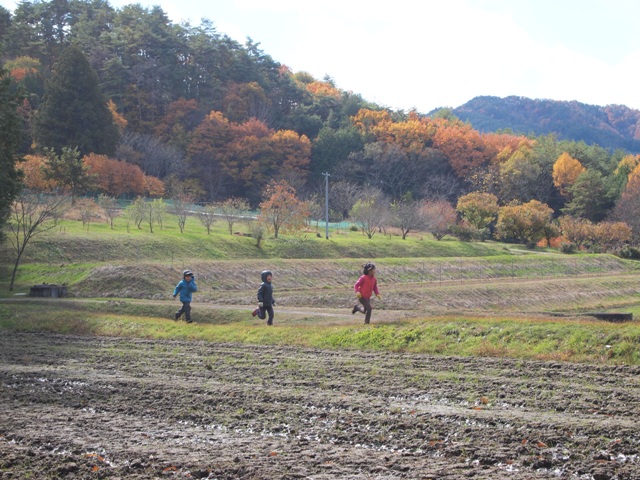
(266,302)
(185,288)
(366,285)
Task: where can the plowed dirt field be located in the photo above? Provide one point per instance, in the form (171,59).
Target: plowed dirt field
(87,407)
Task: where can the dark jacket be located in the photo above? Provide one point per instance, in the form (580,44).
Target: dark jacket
(265,292)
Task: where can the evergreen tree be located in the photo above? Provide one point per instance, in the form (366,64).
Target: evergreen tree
(68,171)
(74,112)
(590,197)
(10,139)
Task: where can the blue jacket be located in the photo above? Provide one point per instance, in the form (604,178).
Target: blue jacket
(186,289)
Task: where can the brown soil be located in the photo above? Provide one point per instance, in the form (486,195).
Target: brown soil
(87,407)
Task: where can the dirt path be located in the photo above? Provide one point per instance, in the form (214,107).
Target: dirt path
(86,407)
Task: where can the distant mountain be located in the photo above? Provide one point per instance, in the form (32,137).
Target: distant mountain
(611,127)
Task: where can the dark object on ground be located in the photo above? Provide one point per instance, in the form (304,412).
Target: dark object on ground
(48,290)
(612,317)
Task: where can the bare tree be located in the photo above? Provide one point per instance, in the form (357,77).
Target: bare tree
(232,210)
(32,215)
(180,209)
(207,217)
(150,154)
(407,216)
(439,217)
(343,196)
(257,230)
(370,212)
(442,187)
(87,208)
(109,207)
(159,211)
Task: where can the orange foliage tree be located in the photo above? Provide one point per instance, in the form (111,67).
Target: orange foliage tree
(118,178)
(282,210)
(462,145)
(118,119)
(153,187)
(209,151)
(114,176)
(34,177)
(370,122)
(566,171)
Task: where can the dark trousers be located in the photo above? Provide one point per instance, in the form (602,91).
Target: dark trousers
(366,303)
(186,309)
(262,314)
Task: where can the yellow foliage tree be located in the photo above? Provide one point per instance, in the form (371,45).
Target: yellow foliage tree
(566,171)
(627,165)
(34,177)
(634,174)
(478,208)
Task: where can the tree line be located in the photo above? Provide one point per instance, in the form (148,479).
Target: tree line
(124,102)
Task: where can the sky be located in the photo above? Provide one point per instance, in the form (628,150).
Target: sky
(425,54)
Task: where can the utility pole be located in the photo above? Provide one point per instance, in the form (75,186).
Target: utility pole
(326,204)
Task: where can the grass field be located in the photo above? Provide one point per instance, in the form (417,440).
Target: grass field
(440,297)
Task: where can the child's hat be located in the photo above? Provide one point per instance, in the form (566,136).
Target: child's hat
(187,272)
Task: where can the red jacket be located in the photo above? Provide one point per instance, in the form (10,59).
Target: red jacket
(366,285)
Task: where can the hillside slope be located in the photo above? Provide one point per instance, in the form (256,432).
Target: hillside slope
(613,126)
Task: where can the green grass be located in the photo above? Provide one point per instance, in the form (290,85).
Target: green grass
(69,242)
(522,338)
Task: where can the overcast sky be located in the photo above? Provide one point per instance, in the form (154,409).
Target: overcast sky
(425,54)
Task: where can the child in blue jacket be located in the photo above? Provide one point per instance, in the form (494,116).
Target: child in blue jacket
(185,288)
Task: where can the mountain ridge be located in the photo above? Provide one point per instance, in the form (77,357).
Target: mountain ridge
(611,126)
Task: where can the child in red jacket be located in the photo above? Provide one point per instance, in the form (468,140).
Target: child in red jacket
(364,288)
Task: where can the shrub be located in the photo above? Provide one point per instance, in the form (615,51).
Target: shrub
(629,252)
(568,247)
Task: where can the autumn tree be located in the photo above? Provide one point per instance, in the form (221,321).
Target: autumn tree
(74,111)
(612,235)
(439,217)
(566,171)
(33,169)
(31,215)
(479,209)
(153,187)
(114,177)
(209,152)
(576,230)
(282,211)
(232,210)
(462,145)
(523,223)
(627,208)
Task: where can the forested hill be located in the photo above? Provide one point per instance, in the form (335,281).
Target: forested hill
(613,126)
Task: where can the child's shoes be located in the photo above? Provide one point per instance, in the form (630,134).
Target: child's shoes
(255,312)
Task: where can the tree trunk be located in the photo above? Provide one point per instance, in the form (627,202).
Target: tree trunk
(15,271)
